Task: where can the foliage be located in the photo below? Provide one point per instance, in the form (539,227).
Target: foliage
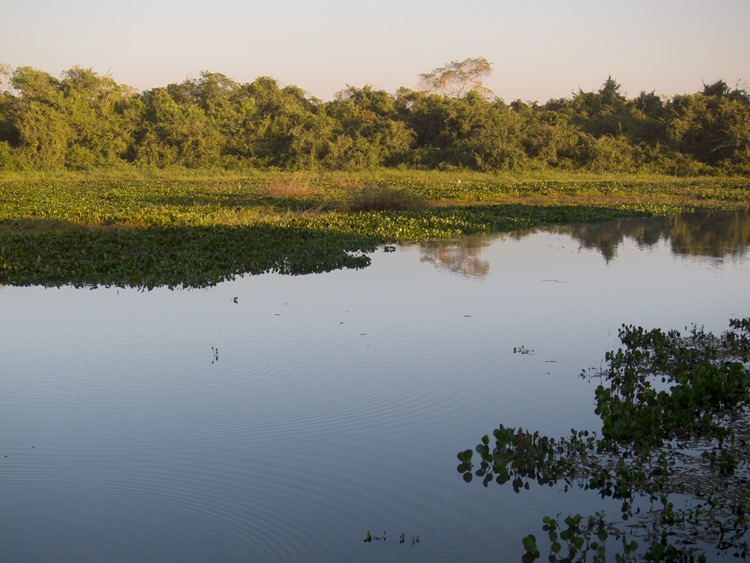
(674,411)
(171,256)
(458,78)
(84,121)
(382,198)
(367,131)
(200,230)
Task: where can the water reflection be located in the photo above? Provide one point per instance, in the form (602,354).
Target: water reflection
(715,234)
(117,425)
(461,258)
(192,257)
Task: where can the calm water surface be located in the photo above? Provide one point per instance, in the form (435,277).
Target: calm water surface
(280,418)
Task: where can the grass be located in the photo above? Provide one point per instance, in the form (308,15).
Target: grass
(296,186)
(382,198)
(45,217)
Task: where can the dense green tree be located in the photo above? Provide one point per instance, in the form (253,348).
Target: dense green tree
(79,121)
(648,119)
(468,132)
(100,112)
(547,135)
(84,120)
(42,131)
(367,131)
(175,133)
(285,127)
(8,132)
(712,126)
(605,112)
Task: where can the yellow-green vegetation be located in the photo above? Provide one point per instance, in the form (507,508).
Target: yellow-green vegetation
(193,228)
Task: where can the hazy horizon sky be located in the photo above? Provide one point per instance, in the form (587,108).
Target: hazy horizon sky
(539,49)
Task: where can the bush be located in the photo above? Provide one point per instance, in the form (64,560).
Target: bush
(382,198)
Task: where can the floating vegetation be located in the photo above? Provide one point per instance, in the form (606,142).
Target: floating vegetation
(675,412)
(196,233)
(174,257)
(401,539)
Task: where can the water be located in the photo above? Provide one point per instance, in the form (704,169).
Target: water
(280,418)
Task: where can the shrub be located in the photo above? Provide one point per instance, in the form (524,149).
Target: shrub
(382,198)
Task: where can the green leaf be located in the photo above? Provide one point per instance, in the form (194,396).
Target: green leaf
(529,544)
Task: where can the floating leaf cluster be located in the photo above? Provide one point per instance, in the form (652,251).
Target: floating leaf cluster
(675,411)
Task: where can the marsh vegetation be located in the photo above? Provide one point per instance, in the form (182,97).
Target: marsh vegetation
(210,183)
(200,229)
(674,413)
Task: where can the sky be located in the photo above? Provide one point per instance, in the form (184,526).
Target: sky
(539,49)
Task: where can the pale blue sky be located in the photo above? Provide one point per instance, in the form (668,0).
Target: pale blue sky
(540,49)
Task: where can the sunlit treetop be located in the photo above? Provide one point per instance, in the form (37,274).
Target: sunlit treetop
(456,79)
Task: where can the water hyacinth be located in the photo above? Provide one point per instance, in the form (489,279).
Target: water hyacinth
(198,231)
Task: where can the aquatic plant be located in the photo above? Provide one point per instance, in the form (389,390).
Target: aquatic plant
(675,411)
(369,538)
(194,231)
(172,256)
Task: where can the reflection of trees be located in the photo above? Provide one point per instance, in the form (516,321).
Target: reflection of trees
(461,257)
(713,233)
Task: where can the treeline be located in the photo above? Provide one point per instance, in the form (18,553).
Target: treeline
(84,120)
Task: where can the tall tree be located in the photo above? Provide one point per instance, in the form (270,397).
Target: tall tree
(4,76)
(456,79)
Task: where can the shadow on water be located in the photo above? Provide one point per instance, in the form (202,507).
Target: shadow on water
(56,253)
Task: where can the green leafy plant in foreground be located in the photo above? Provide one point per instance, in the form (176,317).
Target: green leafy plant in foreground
(675,411)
